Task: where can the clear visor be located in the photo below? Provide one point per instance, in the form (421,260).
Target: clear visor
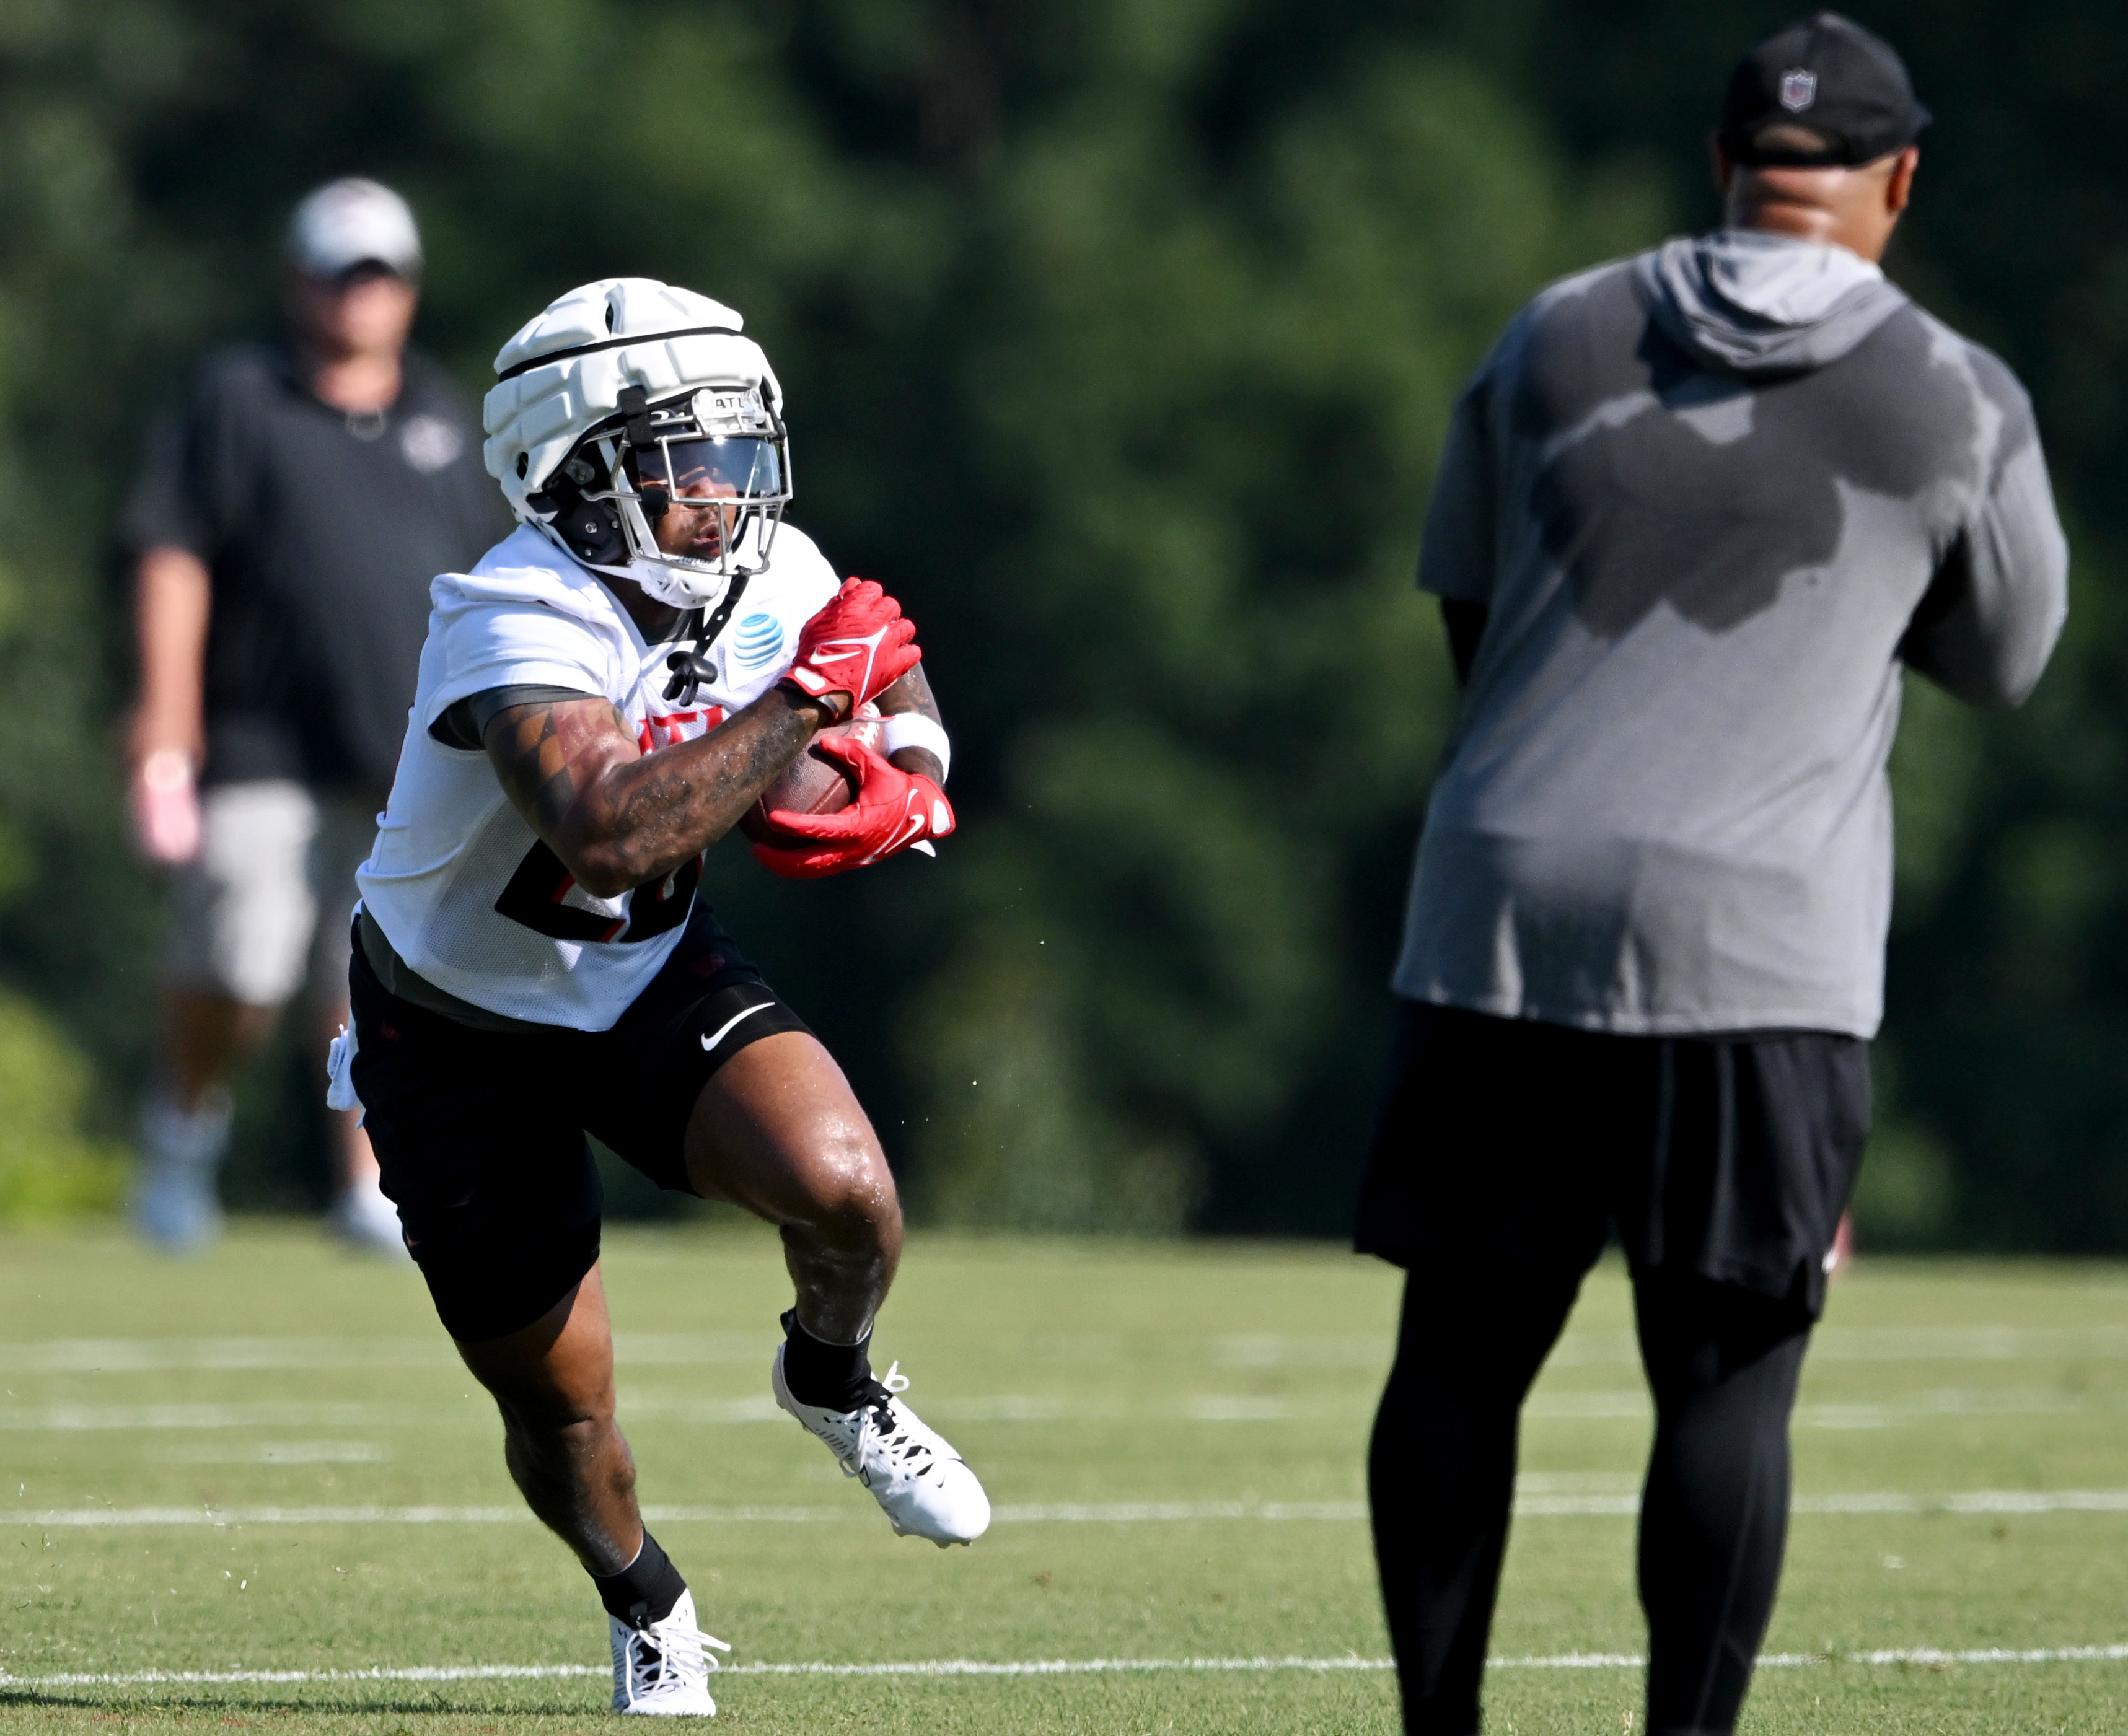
(714,469)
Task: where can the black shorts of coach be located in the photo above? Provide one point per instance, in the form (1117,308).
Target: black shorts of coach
(1505,1148)
(1728,1156)
(480,1134)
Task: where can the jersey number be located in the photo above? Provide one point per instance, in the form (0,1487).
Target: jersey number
(536,892)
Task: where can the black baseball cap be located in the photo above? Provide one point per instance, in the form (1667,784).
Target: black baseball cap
(1821,93)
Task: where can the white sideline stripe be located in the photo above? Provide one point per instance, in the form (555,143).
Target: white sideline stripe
(1134,1512)
(1040,1667)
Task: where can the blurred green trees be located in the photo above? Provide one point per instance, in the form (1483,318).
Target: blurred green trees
(1119,336)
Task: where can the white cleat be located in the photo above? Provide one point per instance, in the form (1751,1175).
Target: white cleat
(924,1486)
(663,1671)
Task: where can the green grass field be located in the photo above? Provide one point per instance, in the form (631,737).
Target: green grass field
(267,1462)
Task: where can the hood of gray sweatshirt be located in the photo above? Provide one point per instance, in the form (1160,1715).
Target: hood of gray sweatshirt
(1756,303)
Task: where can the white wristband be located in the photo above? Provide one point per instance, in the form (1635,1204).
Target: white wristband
(913,729)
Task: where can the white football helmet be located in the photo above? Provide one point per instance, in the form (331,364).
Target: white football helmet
(627,399)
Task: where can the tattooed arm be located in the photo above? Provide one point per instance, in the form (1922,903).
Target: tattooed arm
(618,817)
(913,693)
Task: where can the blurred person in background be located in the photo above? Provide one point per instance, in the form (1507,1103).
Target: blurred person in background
(1696,512)
(294,505)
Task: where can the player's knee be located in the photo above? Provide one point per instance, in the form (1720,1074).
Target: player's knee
(855,1203)
(548,1422)
(868,1221)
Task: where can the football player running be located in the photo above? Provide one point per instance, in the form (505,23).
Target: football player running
(601,698)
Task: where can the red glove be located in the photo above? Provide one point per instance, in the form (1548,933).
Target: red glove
(894,809)
(860,644)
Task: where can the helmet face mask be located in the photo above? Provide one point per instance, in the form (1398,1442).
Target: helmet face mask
(697,486)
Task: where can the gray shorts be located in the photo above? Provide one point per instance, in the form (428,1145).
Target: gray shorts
(268,899)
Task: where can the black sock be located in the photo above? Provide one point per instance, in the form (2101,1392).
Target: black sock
(834,1377)
(645,1590)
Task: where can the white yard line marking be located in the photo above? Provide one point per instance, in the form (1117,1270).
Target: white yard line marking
(1828,1344)
(1942,1401)
(279,1453)
(70,1419)
(1035,1667)
(1892,1344)
(431,1351)
(1804,1660)
(761,1408)
(1235,1350)
(1633,1405)
(1966,1344)
(216,1678)
(76,1418)
(1977,1501)
(119,1518)
(1143,1512)
(1624,1405)
(138,1355)
(1533,1505)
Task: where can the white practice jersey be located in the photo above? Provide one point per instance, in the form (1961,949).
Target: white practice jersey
(464,889)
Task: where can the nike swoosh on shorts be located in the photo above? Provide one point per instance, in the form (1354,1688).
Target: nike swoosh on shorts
(724,1030)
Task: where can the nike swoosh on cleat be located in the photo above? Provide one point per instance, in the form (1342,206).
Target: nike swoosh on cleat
(724,1030)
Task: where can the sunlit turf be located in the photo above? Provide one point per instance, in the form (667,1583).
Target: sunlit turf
(277,1374)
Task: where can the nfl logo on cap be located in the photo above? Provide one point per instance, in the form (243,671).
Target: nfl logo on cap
(1798,90)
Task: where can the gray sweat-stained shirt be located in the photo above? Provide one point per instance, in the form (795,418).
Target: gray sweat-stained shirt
(1713,498)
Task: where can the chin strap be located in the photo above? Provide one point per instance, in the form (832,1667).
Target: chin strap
(691,669)
(634,403)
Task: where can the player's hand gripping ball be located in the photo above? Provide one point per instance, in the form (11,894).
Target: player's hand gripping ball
(894,809)
(858,646)
(813,783)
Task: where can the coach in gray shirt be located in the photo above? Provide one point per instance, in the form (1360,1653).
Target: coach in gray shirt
(1698,512)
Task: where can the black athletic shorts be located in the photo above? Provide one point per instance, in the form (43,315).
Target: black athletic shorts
(1509,1142)
(480,1134)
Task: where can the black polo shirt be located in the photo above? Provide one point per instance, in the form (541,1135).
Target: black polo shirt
(321,531)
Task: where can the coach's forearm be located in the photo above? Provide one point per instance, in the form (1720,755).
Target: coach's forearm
(173,600)
(618,818)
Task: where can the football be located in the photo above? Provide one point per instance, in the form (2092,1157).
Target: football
(813,783)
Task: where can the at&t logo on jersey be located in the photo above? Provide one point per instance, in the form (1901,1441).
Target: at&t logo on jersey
(760,641)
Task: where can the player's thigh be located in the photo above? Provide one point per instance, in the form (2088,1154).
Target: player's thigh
(557,1372)
(480,1144)
(777,1129)
(711,1084)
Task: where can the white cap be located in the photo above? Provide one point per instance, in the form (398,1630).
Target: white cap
(348,223)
